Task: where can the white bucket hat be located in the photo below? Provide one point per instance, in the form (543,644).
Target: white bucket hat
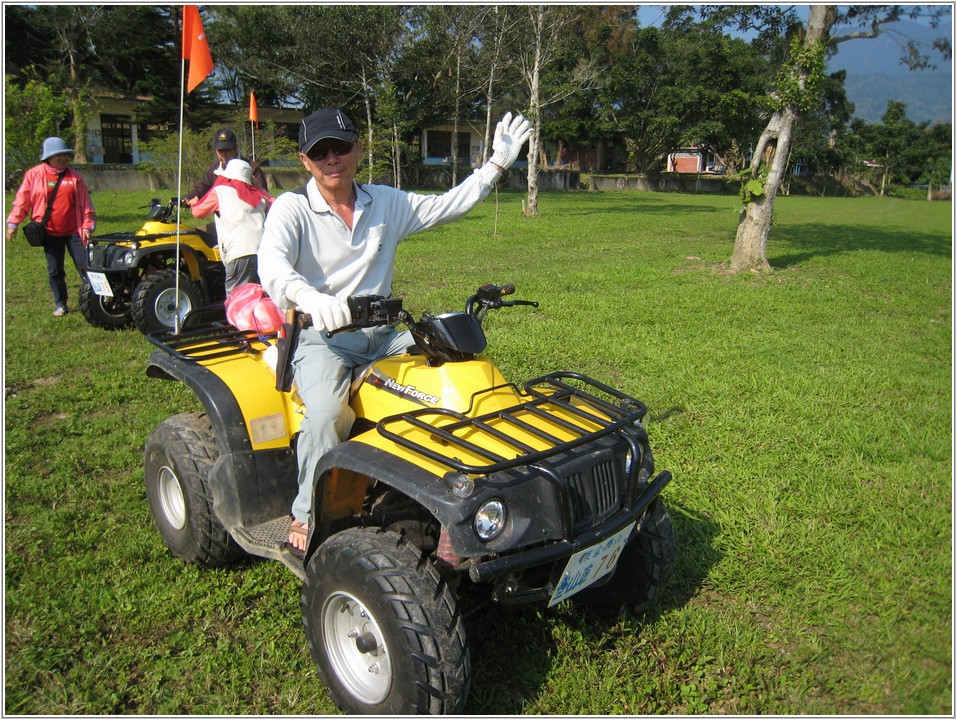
(54,146)
(237,169)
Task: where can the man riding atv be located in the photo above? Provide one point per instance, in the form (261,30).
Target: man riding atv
(423,489)
(334,239)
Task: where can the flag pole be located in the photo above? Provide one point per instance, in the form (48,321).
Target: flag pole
(253,121)
(196,50)
(179,168)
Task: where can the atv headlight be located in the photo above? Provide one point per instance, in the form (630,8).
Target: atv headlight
(128,258)
(490,519)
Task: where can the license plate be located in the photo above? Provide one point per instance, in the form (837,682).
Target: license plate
(99,283)
(590,565)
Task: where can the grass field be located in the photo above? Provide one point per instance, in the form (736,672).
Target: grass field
(806,416)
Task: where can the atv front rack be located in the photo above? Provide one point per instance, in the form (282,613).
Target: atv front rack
(205,343)
(553,402)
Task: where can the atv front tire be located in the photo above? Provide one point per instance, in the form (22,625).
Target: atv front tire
(109,313)
(154,301)
(383,627)
(179,455)
(643,569)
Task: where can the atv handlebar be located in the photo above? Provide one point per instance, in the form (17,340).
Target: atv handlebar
(162,213)
(375,310)
(489,296)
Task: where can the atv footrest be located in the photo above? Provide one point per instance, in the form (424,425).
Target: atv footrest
(558,417)
(206,343)
(269,540)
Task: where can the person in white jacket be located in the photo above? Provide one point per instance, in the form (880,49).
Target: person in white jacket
(240,208)
(334,239)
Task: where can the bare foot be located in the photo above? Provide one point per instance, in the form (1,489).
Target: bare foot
(298,533)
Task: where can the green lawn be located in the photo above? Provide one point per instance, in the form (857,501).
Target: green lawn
(806,416)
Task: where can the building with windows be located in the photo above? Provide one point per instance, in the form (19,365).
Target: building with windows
(116,131)
(694,159)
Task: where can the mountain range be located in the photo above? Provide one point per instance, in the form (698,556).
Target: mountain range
(875,75)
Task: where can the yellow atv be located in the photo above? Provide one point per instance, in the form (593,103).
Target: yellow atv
(454,486)
(131,276)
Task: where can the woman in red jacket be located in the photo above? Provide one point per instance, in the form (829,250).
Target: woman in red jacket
(71,220)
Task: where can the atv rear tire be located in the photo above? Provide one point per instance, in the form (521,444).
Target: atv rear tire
(154,301)
(383,627)
(643,569)
(109,313)
(179,454)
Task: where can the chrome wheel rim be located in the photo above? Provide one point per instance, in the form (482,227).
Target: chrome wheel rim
(171,498)
(165,306)
(356,648)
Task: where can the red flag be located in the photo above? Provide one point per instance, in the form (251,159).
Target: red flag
(195,48)
(253,110)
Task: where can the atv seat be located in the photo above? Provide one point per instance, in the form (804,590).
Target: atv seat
(205,315)
(208,237)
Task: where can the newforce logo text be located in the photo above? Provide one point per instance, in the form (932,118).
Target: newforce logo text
(408,391)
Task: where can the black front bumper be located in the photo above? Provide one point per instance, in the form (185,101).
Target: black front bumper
(524,561)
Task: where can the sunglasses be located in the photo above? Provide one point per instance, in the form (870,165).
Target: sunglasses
(320,150)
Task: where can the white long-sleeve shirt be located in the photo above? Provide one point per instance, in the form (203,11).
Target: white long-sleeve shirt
(306,244)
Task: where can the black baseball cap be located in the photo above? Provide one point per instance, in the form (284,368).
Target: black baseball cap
(223,139)
(325,123)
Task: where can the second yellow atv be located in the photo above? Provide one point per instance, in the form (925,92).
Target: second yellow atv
(455,484)
(131,277)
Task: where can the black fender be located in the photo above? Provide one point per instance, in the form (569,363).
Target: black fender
(535,504)
(249,487)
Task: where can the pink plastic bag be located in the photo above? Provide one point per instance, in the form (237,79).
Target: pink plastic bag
(248,307)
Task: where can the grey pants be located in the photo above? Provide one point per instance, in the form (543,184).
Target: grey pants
(323,375)
(242,270)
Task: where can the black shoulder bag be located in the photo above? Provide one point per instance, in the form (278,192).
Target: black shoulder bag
(36,232)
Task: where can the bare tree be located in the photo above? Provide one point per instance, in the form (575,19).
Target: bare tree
(542,41)
(499,22)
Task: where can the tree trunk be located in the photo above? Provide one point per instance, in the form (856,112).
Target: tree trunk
(489,94)
(534,111)
(79,121)
(754,223)
(396,156)
(455,119)
(368,103)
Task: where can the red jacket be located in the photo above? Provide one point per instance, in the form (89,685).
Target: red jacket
(31,199)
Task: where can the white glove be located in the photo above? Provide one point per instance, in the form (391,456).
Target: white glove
(510,134)
(328,312)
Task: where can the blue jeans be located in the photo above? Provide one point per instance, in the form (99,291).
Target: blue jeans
(55,250)
(323,374)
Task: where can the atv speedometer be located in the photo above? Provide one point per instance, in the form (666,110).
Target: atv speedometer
(490,519)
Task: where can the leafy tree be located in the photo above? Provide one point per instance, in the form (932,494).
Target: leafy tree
(905,153)
(450,31)
(800,48)
(683,84)
(276,46)
(83,50)
(821,138)
(32,112)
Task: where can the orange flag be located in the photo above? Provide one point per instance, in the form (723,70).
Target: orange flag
(195,48)
(253,109)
